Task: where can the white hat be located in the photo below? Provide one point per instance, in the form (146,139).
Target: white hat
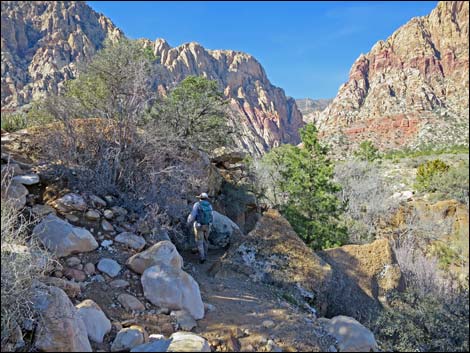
(203,196)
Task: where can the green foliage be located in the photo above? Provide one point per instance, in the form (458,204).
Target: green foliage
(427,171)
(452,184)
(307,192)
(415,323)
(425,151)
(116,83)
(367,152)
(194,111)
(33,116)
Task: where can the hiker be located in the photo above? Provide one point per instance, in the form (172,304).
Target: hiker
(201,216)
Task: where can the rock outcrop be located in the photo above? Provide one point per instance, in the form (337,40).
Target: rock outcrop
(42,44)
(262,111)
(409,90)
(362,277)
(273,253)
(311,108)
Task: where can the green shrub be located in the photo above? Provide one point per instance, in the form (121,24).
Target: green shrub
(13,121)
(425,151)
(415,323)
(452,184)
(33,116)
(427,171)
(367,152)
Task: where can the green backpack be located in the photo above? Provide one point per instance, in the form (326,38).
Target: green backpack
(204,212)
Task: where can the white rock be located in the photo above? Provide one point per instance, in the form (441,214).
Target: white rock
(70,202)
(131,240)
(184,320)
(96,322)
(172,288)
(109,266)
(350,334)
(155,345)
(188,342)
(62,238)
(164,252)
(127,338)
(27,179)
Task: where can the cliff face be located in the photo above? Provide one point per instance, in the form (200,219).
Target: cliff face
(311,108)
(265,115)
(42,42)
(409,90)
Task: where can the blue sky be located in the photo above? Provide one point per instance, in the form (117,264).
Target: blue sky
(306,48)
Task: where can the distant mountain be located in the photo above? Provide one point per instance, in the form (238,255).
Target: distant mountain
(43,41)
(409,90)
(311,108)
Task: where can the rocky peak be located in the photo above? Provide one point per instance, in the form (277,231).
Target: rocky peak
(312,108)
(42,42)
(409,90)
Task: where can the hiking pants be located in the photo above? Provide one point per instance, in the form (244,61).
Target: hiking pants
(201,235)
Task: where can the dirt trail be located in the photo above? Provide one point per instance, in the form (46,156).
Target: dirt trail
(248,314)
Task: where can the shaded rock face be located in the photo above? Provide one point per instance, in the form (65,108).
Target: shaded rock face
(409,90)
(362,276)
(42,43)
(273,253)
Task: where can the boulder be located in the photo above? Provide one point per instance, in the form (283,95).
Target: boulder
(363,276)
(42,210)
(109,266)
(223,155)
(222,230)
(92,215)
(97,201)
(15,193)
(131,240)
(158,345)
(128,338)
(62,238)
(96,322)
(184,320)
(70,288)
(171,287)
(60,328)
(107,227)
(164,252)
(131,303)
(188,342)
(70,202)
(11,169)
(27,179)
(350,334)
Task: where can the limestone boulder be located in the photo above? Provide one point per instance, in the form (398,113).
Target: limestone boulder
(128,338)
(188,342)
(70,202)
(351,335)
(62,238)
(222,230)
(96,322)
(171,287)
(27,179)
(15,193)
(163,252)
(61,328)
(132,240)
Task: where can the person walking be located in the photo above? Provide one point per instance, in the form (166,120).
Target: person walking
(201,216)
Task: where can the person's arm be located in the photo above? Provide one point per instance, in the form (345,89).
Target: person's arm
(192,215)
